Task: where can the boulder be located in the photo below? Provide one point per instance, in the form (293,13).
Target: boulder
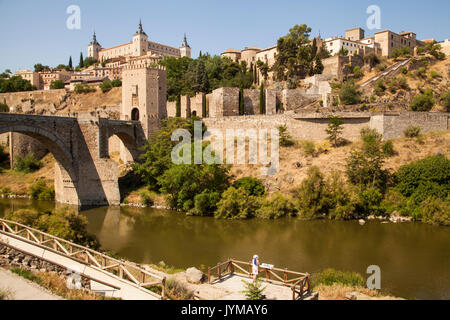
(193,275)
(362,222)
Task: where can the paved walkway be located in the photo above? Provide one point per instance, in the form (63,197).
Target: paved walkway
(22,289)
(235,285)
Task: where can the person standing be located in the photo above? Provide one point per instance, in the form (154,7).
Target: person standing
(255,267)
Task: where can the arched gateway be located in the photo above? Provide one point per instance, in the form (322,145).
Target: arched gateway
(84,174)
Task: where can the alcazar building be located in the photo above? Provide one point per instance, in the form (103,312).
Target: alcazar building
(139,46)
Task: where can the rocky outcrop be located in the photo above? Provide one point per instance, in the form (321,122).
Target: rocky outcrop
(193,275)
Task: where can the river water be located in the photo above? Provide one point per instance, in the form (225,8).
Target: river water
(414,258)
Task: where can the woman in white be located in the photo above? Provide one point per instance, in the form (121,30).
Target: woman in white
(255,267)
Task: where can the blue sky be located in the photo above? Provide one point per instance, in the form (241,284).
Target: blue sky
(35,31)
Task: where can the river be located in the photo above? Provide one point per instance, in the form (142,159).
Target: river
(414,258)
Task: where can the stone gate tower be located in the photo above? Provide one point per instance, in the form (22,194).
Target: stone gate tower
(94,48)
(143,95)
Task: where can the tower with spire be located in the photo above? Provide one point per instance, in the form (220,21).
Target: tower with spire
(185,49)
(94,48)
(140,41)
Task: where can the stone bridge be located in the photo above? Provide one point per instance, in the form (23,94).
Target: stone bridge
(84,173)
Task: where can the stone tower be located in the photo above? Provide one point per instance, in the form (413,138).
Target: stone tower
(143,94)
(185,49)
(140,42)
(94,48)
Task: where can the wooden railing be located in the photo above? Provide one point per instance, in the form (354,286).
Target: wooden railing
(299,282)
(121,269)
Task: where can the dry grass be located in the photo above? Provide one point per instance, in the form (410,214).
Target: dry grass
(338,291)
(6,294)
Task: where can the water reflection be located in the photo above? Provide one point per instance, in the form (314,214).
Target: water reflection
(413,257)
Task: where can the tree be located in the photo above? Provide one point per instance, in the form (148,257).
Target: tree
(39,67)
(343,52)
(423,102)
(294,58)
(349,94)
(81,64)
(365,166)
(15,84)
(89,61)
(318,66)
(204,106)
(262,100)
(253,186)
(263,68)
(57,84)
(334,130)
(241,102)
(70,63)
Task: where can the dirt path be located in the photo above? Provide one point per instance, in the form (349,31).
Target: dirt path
(22,289)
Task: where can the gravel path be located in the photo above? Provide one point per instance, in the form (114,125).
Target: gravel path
(23,289)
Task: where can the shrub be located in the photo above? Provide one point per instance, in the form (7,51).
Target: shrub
(26,274)
(4,107)
(434,74)
(349,94)
(63,223)
(276,206)
(379,87)
(412,132)
(388,148)
(309,148)
(370,201)
(357,72)
(106,86)
(436,211)
(311,196)
(80,88)
(253,291)
(40,191)
(421,72)
(116,83)
(342,200)
(27,164)
(176,290)
(253,186)
(328,277)
(146,198)
(236,204)
(334,130)
(423,102)
(205,203)
(424,178)
(404,70)
(3,155)
(285,138)
(445,101)
(400,52)
(57,84)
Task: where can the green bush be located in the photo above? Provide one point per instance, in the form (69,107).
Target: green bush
(63,223)
(379,87)
(253,186)
(116,83)
(412,132)
(276,206)
(40,191)
(349,94)
(26,274)
(309,148)
(146,198)
(334,129)
(27,164)
(285,138)
(311,196)
(436,211)
(105,86)
(357,72)
(342,200)
(57,84)
(236,204)
(424,178)
(404,70)
(401,52)
(253,291)
(80,88)
(370,201)
(388,148)
(423,102)
(4,107)
(330,276)
(205,203)
(422,72)
(445,101)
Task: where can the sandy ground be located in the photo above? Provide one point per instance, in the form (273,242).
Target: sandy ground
(22,289)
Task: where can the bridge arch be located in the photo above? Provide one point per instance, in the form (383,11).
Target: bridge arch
(66,190)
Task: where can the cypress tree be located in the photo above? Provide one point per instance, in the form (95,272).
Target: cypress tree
(241,102)
(204,105)
(81,64)
(70,63)
(262,100)
(178,106)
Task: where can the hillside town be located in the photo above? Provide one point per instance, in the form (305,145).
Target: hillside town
(164,176)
